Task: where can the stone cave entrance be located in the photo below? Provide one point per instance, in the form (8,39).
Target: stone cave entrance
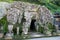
(32,26)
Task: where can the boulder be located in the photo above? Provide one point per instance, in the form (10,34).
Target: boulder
(3,6)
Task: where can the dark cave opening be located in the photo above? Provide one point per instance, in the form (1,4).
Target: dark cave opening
(32,26)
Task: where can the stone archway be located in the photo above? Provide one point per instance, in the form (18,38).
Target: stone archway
(30,11)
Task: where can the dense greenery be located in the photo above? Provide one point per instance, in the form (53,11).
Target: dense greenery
(4,23)
(41,29)
(51,28)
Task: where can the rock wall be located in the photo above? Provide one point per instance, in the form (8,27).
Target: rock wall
(3,6)
(17,9)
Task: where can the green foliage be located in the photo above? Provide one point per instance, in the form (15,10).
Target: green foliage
(58,10)
(15,28)
(51,27)
(56,2)
(3,21)
(18,37)
(6,0)
(53,8)
(41,29)
(44,1)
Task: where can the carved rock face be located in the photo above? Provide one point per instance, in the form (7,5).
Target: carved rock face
(17,9)
(46,14)
(30,11)
(12,15)
(3,6)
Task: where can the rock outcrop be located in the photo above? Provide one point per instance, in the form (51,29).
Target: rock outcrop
(3,6)
(17,9)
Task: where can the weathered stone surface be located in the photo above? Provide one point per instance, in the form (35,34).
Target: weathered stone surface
(46,14)
(3,6)
(14,14)
(46,18)
(31,11)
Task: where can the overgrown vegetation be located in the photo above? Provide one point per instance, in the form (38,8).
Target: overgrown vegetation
(51,27)
(4,23)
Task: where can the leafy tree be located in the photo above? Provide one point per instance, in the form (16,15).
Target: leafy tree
(56,2)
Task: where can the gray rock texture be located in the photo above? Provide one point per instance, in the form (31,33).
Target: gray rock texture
(17,9)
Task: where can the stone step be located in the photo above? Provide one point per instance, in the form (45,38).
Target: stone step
(35,34)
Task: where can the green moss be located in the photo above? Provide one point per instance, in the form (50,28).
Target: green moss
(41,29)
(51,27)
(3,21)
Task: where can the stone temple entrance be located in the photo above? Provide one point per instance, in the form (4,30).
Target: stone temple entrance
(32,26)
